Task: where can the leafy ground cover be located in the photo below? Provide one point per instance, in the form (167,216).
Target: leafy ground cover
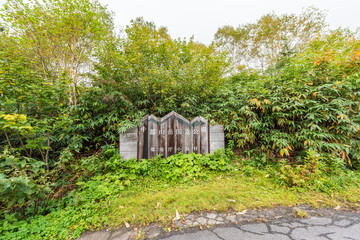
(140,193)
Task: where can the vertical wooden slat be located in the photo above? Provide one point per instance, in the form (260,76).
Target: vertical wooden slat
(138,144)
(204,147)
(217,137)
(187,137)
(179,136)
(175,135)
(162,139)
(170,137)
(152,137)
(208,134)
(196,135)
(143,139)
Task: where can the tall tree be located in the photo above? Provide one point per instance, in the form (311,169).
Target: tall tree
(149,66)
(61,36)
(259,44)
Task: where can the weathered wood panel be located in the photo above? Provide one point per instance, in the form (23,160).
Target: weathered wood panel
(163,139)
(188,139)
(217,137)
(170,135)
(153,130)
(128,143)
(143,139)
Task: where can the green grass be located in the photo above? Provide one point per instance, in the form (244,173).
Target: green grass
(151,205)
(149,200)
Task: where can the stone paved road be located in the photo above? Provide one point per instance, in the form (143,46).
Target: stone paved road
(279,223)
(343,226)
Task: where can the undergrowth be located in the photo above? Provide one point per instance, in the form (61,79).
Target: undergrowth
(152,190)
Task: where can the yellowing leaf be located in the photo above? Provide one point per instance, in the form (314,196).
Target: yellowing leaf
(341,116)
(281,152)
(266,101)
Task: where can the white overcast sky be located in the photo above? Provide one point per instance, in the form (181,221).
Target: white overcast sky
(201,18)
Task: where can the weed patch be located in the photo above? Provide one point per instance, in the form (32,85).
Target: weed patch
(103,202)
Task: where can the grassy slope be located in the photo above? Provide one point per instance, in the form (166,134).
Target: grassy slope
(150,205)
(152,200)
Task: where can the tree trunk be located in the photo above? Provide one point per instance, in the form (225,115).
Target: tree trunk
(71,102)
(74,93)
(36,207)
(22,211)
(8,140)
(47,151)
(23,146)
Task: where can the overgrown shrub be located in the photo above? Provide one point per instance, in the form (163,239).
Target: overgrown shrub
(23,183)
(310,103)
(313,173)
(176,168)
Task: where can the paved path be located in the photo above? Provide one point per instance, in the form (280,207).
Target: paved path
(342,226)
(279,223)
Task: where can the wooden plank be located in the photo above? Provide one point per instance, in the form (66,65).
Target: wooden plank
(178,136)
(170,144)
(128,155)
(128,137)
(138,142)
(203,135)
(196,132)
(204,143)
(162,139)
(128,143)
(217,128)
(143,140)
(128,146)
(152,136)
(217,137)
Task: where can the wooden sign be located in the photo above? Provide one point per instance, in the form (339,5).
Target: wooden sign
(170,135)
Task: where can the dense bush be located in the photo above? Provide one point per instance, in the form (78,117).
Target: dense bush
(151,71)
(22,183)
(313,174)
(311,103)
(176,168)
(111,177)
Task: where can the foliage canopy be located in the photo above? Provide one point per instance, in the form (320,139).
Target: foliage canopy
(260,44)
